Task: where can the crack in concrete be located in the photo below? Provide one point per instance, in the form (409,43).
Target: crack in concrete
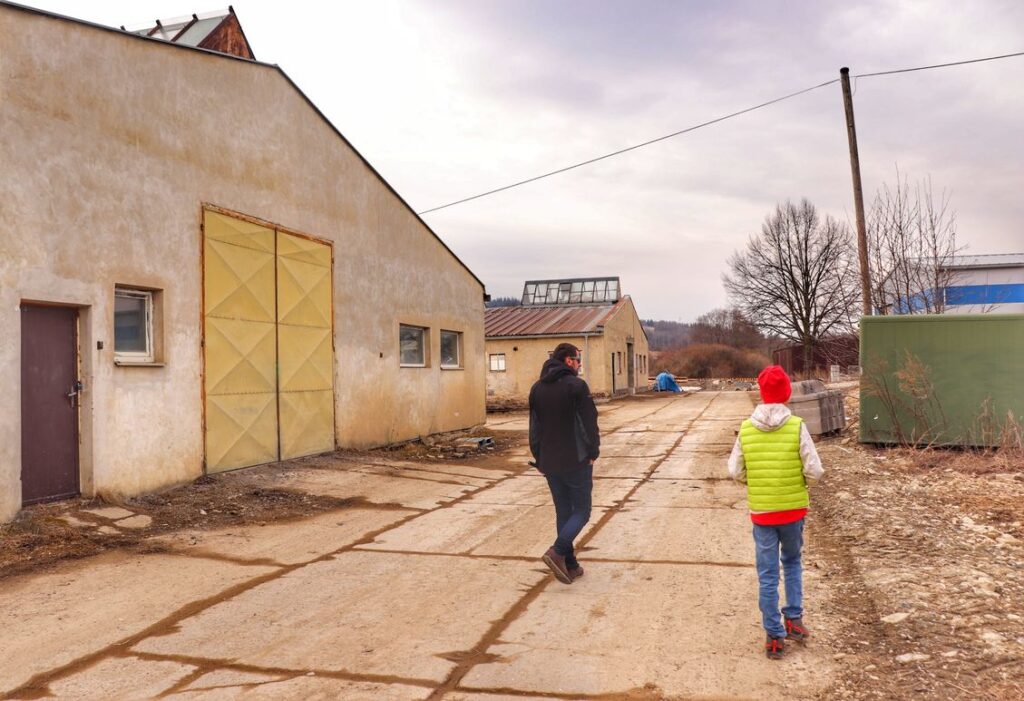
(649,692)
(39,683)
(208,555)
(205,665)
(701,563)
(465,555)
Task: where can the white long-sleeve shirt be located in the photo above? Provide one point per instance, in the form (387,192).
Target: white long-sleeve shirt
(771,417)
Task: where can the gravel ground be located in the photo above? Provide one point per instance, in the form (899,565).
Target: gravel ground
(922,551)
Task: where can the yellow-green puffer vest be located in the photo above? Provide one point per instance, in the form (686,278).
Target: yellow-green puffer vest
(775,472)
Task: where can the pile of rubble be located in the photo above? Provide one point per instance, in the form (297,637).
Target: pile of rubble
(458,445)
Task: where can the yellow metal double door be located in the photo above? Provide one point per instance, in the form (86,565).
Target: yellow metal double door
(269,373)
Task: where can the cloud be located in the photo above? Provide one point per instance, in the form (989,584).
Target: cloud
(449,99)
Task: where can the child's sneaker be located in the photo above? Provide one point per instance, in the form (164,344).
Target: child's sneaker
(774,648)
(795,630)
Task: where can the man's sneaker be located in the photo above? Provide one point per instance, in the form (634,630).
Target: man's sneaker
(774,648)
(556,563)
(795,630)
(575,572)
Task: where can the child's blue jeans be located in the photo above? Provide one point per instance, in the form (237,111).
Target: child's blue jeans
(772,544)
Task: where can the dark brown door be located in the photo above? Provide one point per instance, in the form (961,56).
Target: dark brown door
(630,366)
(49,416)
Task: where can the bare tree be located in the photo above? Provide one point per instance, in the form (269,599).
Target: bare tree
(727,327)
(911,244)
(797,279)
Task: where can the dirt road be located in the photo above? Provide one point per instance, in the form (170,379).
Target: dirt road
(426,584)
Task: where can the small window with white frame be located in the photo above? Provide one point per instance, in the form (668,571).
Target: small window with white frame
(412,346)
(497,362)
(451,350)
(133,325)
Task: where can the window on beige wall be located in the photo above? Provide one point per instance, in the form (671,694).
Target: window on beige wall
(136,325)
(412,345)
(451,350)
(496,362)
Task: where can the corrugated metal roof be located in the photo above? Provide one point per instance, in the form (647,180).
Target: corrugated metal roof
(992,260)
(555,320)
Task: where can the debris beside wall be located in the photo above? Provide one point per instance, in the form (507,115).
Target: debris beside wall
(48,533)
(456,445)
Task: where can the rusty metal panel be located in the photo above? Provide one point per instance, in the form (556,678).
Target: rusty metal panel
(239,308)
(49,417)
(555,320)
(305,346)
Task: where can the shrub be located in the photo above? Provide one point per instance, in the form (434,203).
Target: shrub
(705,360)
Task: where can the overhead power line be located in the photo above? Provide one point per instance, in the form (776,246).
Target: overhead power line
(709,123)
(630,148)
(939,65)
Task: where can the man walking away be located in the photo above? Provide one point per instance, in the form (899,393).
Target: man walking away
(565,442)
(775,456)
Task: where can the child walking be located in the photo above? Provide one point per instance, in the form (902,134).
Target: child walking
(774,455)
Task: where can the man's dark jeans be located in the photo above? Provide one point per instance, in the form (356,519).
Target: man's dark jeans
(570,491)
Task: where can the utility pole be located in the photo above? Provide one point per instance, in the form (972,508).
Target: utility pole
(858,194)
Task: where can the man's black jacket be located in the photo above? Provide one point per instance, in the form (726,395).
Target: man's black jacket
(563,420)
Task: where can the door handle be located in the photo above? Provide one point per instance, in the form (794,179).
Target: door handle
(76,389)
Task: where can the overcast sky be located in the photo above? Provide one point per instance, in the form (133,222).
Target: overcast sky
(449,98)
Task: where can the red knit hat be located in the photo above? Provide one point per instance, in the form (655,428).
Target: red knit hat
(774,384)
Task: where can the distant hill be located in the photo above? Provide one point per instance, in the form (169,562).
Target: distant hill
(666,335)
(503,302)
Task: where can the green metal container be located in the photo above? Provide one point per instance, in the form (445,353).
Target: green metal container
(949,379)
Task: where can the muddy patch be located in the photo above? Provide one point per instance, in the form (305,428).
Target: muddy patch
(43,535)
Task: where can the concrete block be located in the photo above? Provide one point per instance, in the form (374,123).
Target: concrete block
(286,543)
(121,678)
(110,512)
(479,529)
(362,611)
(108,598)
(135,522)
(680,535)
(645,623)
(691,465)
(689,494)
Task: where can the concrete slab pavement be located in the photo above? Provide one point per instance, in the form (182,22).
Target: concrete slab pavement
(361,613)
(720,536)
(693,466)
(417,491)
(64,615)
(688,494)
(680,628)
(503,530)
(285,543)
(429,587)
(532,489)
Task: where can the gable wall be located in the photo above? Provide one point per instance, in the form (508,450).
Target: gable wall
(623,326)
(110,146)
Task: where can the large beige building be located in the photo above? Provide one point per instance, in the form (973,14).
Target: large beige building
(198,272)
(587,312)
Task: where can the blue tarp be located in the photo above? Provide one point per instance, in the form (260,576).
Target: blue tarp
(664,382)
